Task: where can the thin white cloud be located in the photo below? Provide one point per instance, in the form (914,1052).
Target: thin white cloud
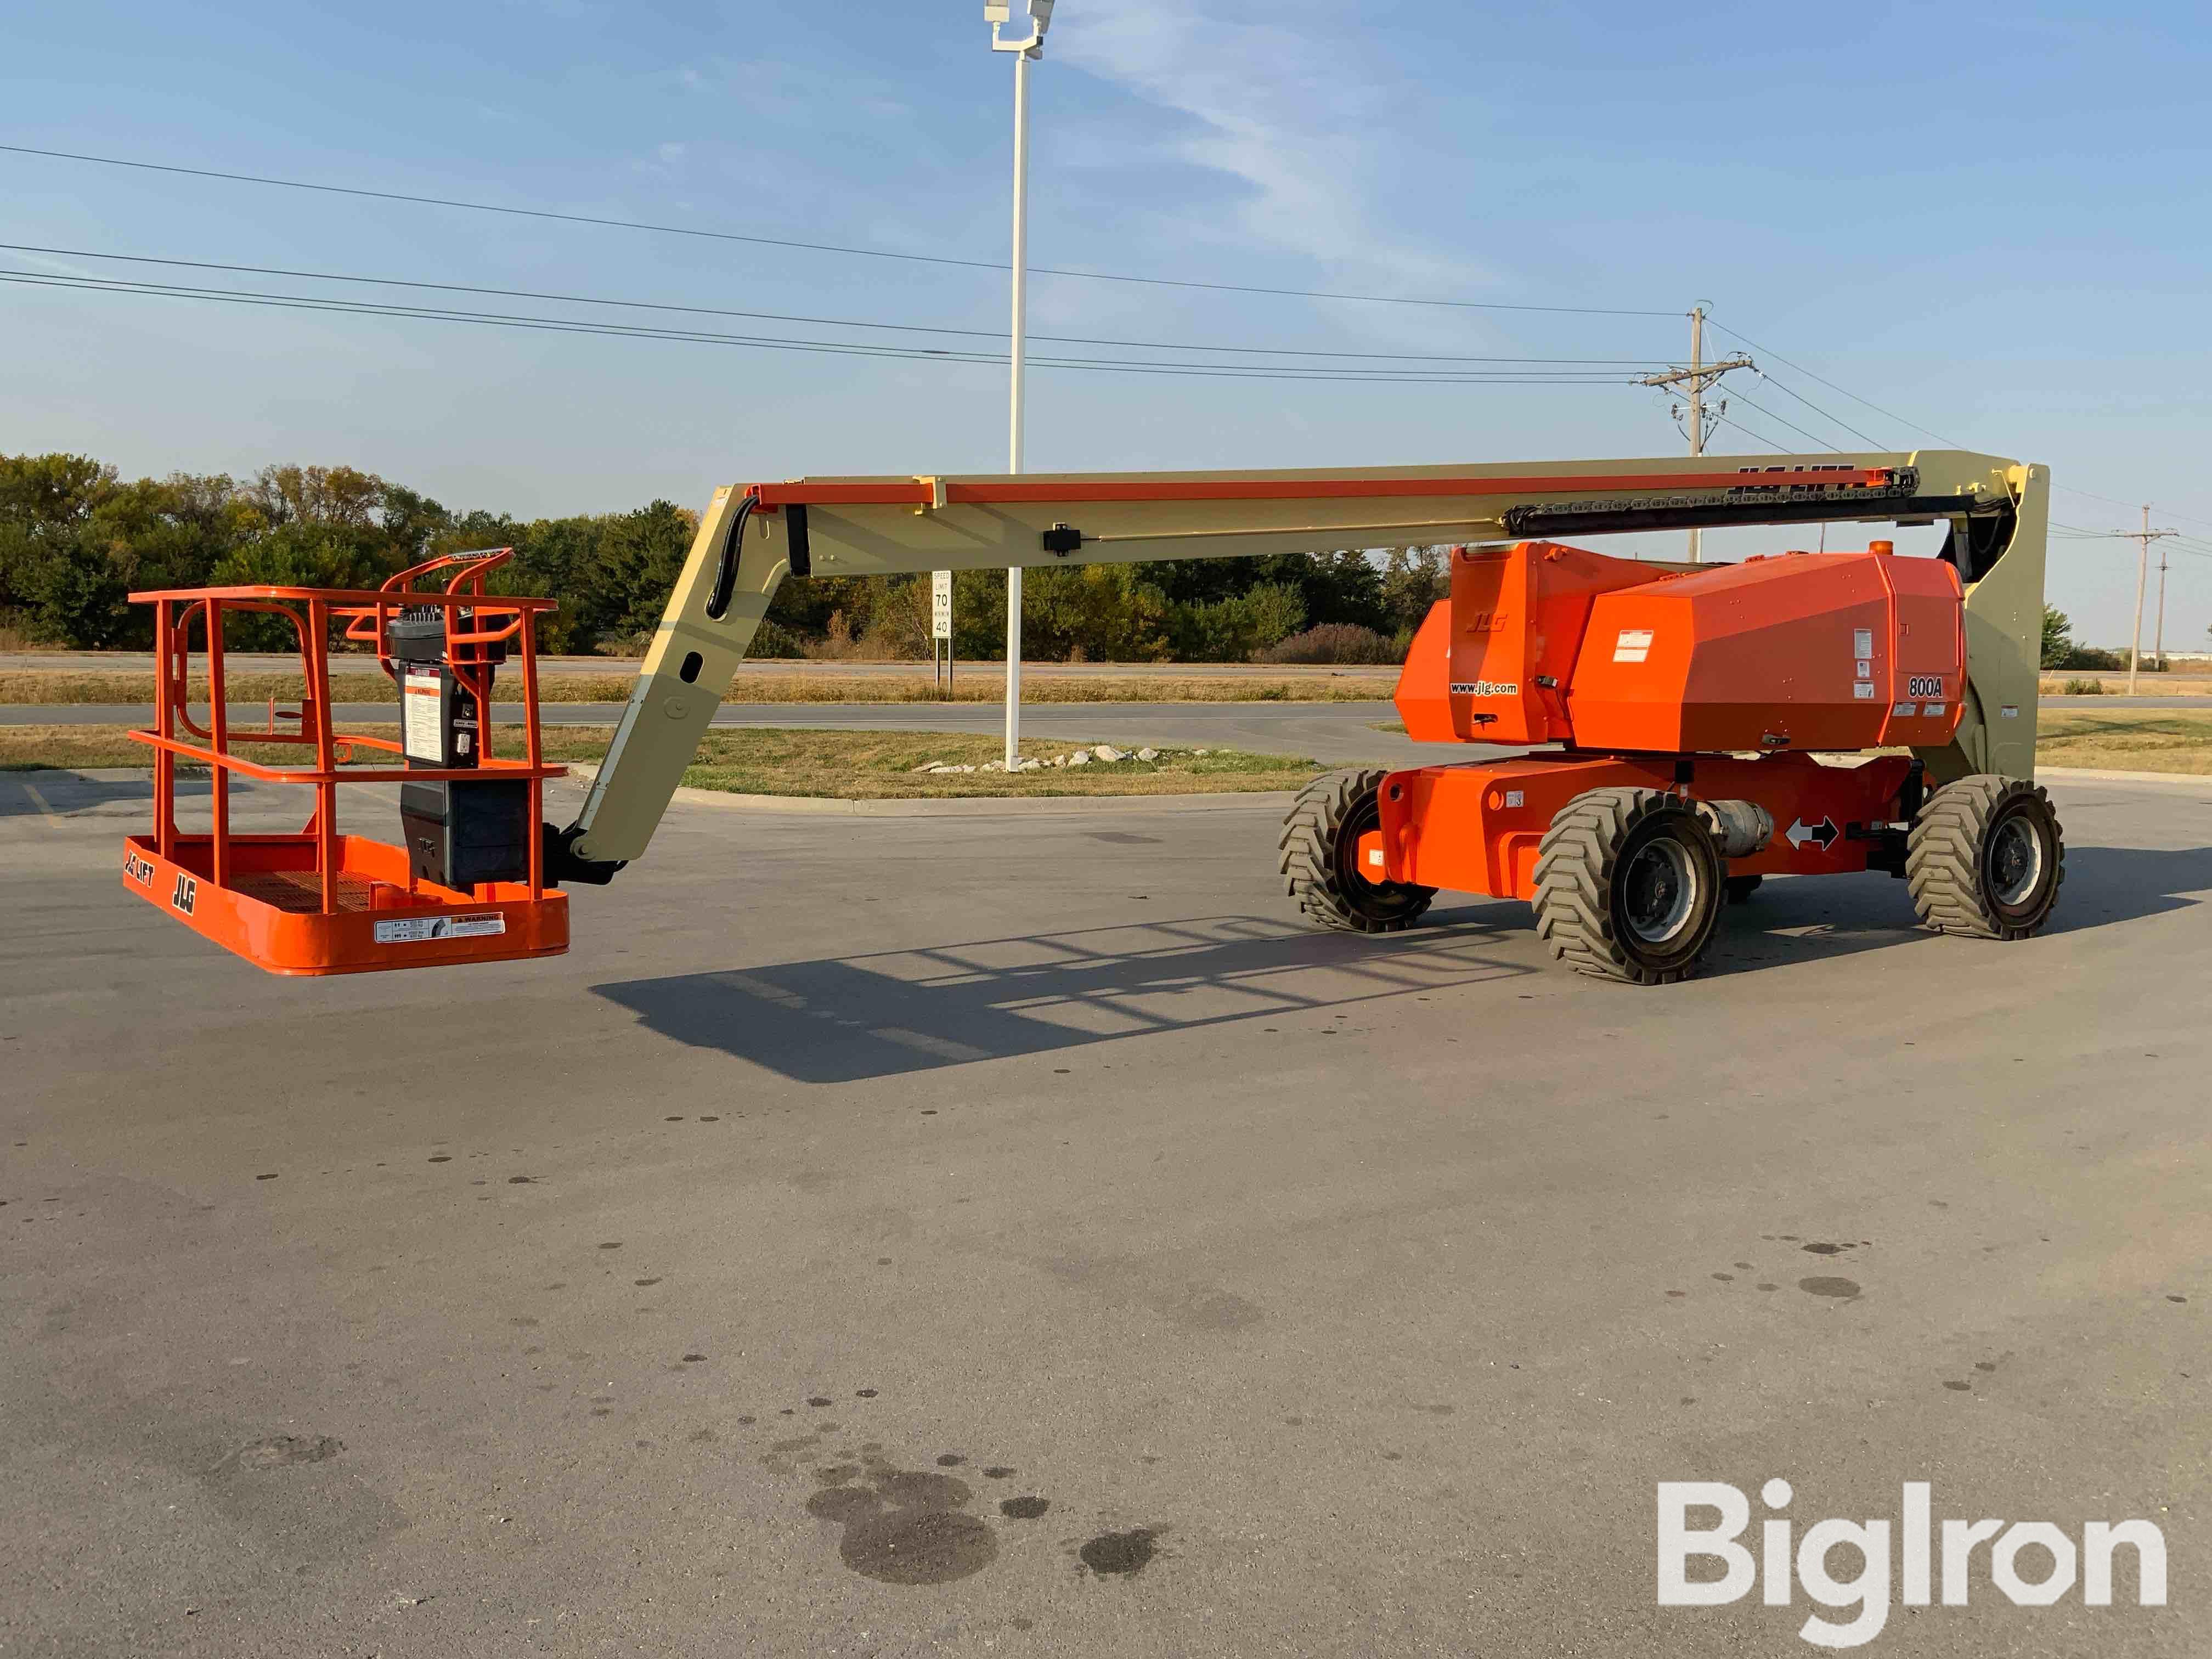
(1286,106)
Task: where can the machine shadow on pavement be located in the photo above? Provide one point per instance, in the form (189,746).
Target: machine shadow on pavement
(884,1014)
(2105,884)
(1797,920)
(844,1020)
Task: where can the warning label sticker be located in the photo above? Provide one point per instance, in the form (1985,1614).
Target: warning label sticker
(1864,691)
(1633,645)
(1863,643)
(1904,708)
(1934,708)
(416,930)
(418,734)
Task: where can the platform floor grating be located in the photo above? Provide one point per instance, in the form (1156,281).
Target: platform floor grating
(301,891)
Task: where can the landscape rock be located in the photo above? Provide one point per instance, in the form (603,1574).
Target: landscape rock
(1148,754)
(1080,757)
(1107,751)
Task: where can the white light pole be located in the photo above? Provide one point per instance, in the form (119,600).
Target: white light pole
(997,13)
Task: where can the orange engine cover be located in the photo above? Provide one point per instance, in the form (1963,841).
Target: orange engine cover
(1543,643)
(1491,664)
(1805,651)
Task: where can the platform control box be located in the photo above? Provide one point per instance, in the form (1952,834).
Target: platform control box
(458,831)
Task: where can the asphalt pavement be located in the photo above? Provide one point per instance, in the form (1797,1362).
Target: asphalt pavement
(893,1236)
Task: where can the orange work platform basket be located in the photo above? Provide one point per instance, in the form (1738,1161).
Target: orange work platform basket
(319,901)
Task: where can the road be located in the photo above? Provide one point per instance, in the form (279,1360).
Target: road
(1002,1229)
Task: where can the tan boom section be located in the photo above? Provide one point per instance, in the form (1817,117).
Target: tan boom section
(753,536)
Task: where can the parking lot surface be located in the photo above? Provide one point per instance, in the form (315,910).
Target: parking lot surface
(1006,1230)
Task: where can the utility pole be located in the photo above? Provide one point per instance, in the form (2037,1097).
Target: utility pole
(2158,649)
(1694,382)
(2143,538)
(997,13)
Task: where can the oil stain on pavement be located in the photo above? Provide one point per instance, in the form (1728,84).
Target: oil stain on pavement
(899,1526)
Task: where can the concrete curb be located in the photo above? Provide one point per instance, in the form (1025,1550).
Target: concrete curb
(2092,774)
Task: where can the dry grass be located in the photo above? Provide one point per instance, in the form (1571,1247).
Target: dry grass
(2127,739)
(970,685)
(879,766)
(752,761)
(2116,684)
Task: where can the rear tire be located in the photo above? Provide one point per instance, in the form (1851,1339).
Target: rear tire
(1321,857)
(1628,886)
(1986,858)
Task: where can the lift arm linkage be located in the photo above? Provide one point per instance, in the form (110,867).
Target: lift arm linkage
(753,536)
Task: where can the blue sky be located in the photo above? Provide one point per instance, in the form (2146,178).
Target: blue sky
(1991,220)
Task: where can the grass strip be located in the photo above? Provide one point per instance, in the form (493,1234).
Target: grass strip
(754,761)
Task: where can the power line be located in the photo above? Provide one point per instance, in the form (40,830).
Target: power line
(1954,443)
(816,248)
(1773,444)
(1783,386)
(2070,532)
(1832,386)
(1791,424)
(2114,500)
(784,317)
(910,354)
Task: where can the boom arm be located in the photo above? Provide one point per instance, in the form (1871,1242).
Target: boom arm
(753,536)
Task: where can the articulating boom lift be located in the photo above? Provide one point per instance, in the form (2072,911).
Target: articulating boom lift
(1686,725)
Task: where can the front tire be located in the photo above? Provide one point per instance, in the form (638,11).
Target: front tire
(1628,886)
(1986,858)
(1321,857)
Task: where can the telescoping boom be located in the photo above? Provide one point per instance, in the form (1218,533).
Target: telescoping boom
(753,536)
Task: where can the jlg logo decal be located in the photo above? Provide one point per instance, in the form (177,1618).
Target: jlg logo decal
(137,869)
(186,894)
(1487,621)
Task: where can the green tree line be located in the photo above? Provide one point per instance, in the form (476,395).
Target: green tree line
(77,539)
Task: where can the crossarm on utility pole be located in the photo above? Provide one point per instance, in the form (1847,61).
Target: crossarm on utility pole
(752,536)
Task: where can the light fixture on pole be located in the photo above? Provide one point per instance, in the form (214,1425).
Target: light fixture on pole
(998,13)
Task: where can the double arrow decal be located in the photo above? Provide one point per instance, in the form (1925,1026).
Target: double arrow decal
(1824,832)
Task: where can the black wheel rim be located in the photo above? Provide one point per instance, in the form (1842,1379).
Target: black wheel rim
(1665,892)
(2017,856)
(1658,892)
